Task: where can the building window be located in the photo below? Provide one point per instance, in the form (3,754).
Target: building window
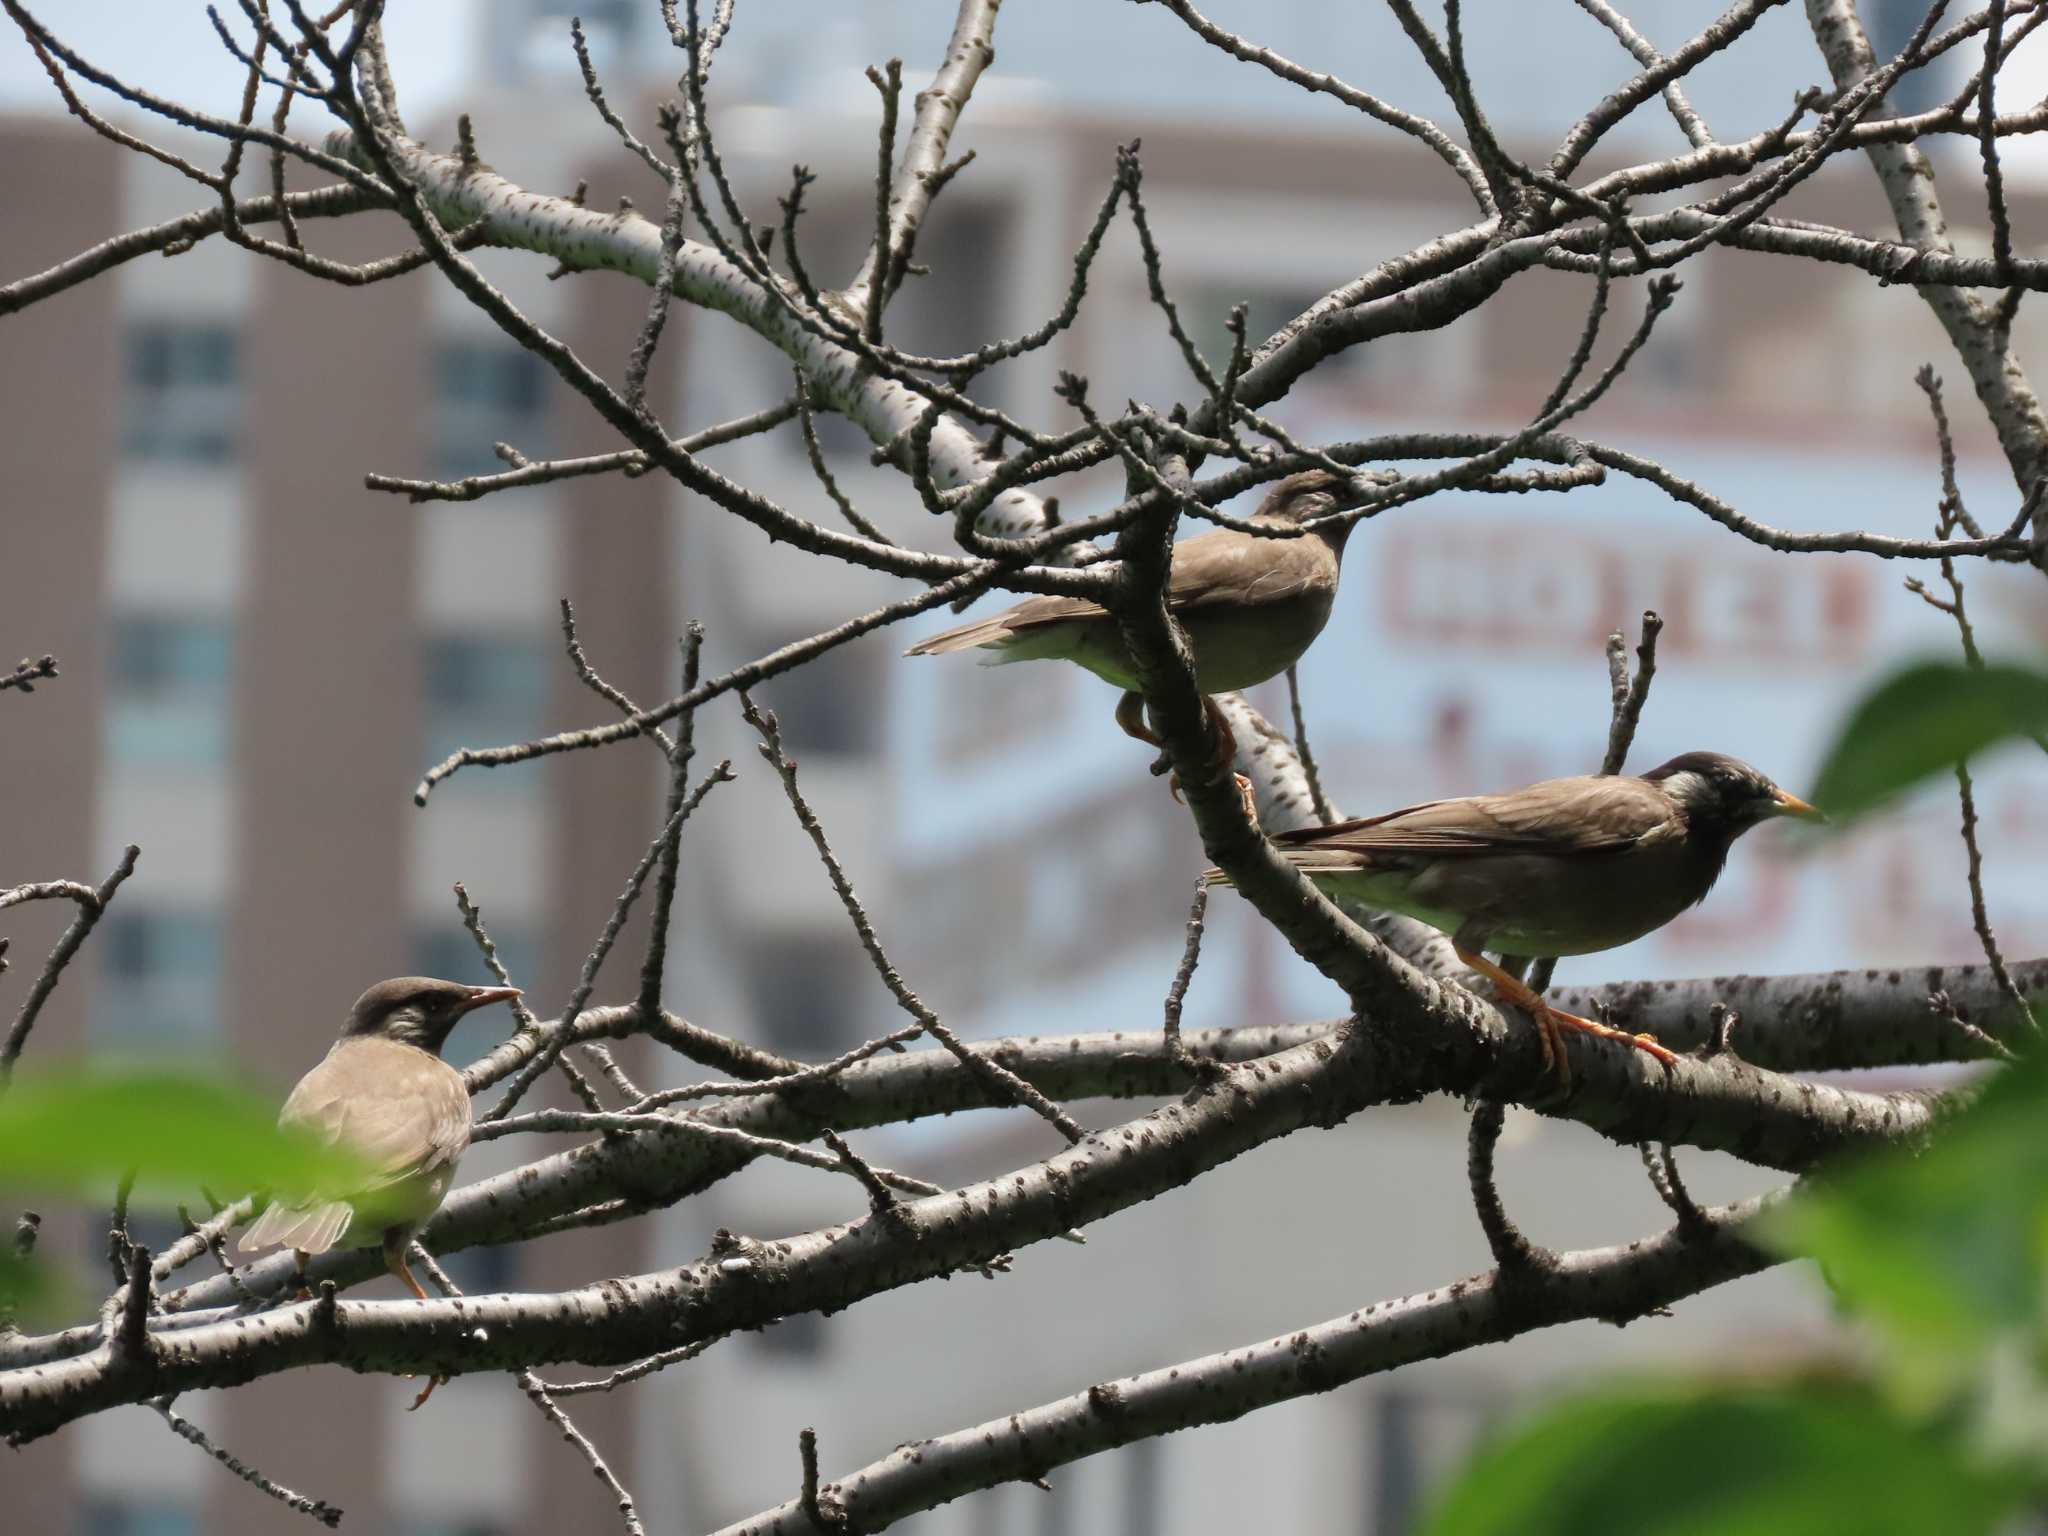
(184,401)
(486,392)
(798,1338)
(159,981)
(447,951)
(487,1270)
(136,1517)
(799,988)
(832,704)
(1266,310)
(483,690)
(167,690)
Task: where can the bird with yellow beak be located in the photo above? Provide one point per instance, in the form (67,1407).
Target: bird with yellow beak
(1561,867)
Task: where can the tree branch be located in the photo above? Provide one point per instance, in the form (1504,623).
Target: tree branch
(1615,1284)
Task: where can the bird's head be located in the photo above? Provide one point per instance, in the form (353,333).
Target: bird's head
(418,1010)
(1312,493)
(1723,794)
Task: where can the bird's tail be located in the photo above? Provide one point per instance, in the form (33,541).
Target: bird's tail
(1310,861)
(308,1228)
(965,638)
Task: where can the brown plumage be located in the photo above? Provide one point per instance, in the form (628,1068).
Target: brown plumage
(385,1094)
(1250,607)
(1561,867)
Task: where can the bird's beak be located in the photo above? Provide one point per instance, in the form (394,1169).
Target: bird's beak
(1791,805)
(483,997)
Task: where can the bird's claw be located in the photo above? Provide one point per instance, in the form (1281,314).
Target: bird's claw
(425,1392)
(1245,796)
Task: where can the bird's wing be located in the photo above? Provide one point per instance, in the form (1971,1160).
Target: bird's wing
(1557,816)
(403,1111)
(1221,567)
(1240,569)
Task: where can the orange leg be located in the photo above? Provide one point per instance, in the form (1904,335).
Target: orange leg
(1551,1023)
(1130,714)
(394,1260)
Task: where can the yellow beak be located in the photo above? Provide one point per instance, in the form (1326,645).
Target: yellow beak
(1791,805)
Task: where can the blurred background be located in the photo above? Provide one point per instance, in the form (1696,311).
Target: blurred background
(260,658)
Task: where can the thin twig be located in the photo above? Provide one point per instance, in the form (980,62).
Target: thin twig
(1511,1250)
(516,1087)
(542,1398)
(28,673)
(633,1372)
(60,955)
(1317,798)
(840,499)
(1662,1168)
(994,1075)
(881,1200)
(523,1016)
(1202,1068)
(327,1514)
(1630,695)
(891,87)
(807,1077)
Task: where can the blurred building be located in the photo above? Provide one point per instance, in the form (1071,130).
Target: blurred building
(261,657)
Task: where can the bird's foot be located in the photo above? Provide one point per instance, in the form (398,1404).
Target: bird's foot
(1245,797)
(425,1392)
(1130,716)
(1551,1024)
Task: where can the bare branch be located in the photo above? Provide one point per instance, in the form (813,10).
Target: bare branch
(968,52)
(27,673)
(318,1509)
(1511,1250)
(557,1035)
(630,462)
(998,1078)
(1314,81)
(89,912)
(1613,1284)
(1308,763)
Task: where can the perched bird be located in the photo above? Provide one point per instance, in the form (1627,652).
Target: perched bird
(384,1093)
(1560,867)
(1250,606)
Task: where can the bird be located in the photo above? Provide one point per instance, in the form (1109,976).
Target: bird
(1250,605)
(383,1093)
(1561,867)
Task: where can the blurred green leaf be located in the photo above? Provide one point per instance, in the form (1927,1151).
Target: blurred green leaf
(1921,720)
(1728,1461)
(79,1131)
(1944,1249)
(25,1285)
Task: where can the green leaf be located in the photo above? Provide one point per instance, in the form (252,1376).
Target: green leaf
(79,1131)
(25,1285)
(1944,1249)
(1723,1461)
(1921,721)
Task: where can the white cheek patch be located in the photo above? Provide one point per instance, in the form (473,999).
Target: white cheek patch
(1689,788)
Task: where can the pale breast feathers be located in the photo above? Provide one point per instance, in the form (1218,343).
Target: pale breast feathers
(404,1117)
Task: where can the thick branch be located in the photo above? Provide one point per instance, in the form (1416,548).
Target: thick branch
(1615,1284)
(968,52)
(583,238)
(1984,347)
